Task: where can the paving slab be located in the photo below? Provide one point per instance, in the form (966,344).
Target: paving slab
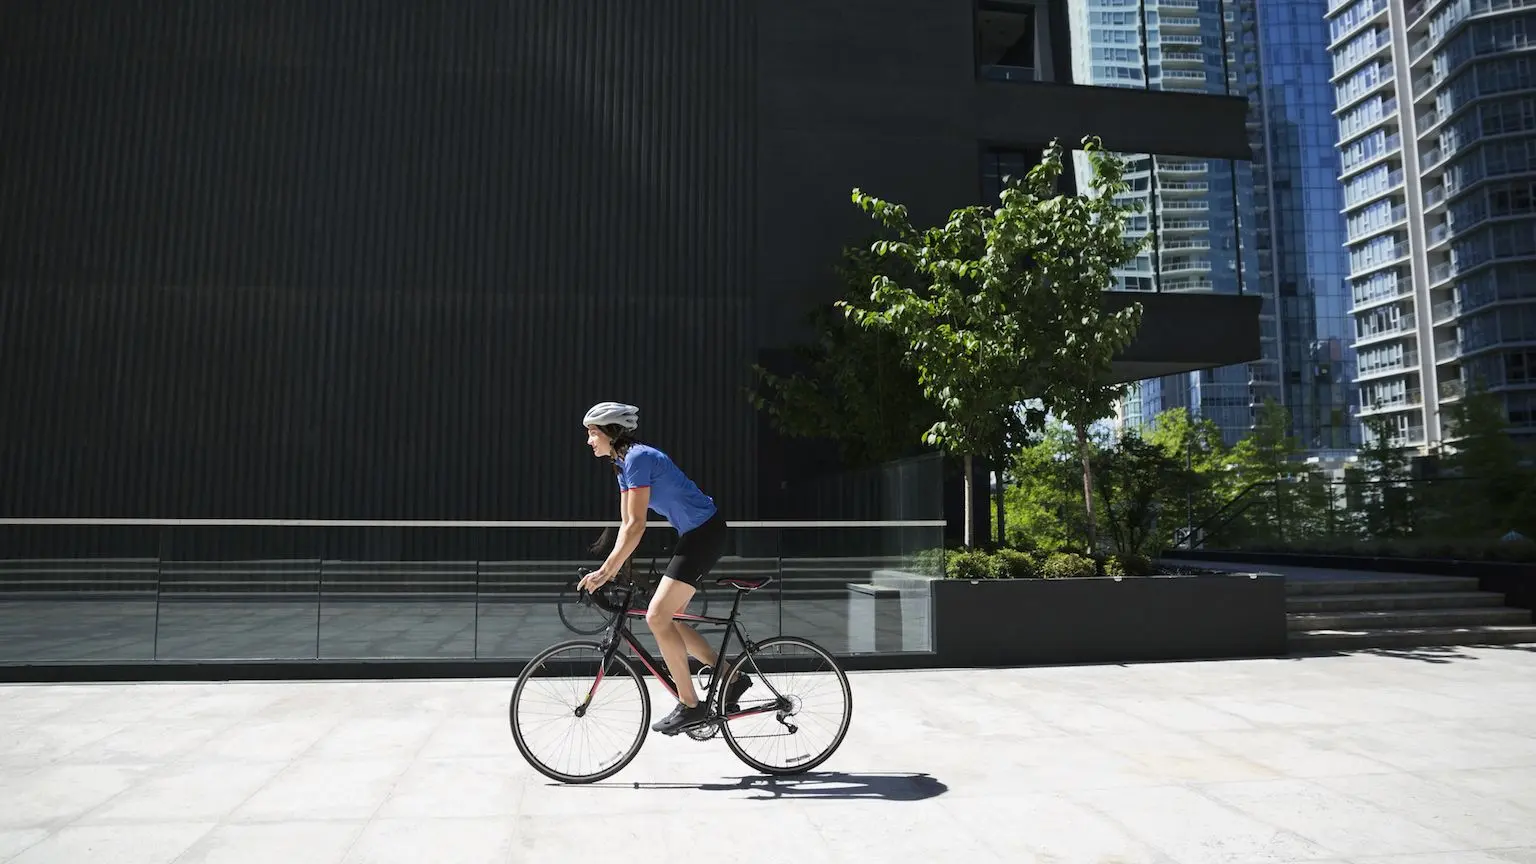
(1368,758)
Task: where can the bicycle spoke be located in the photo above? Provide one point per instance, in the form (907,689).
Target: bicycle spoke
(564,739)
(800,718)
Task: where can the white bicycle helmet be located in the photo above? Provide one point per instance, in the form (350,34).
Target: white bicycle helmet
(612,414)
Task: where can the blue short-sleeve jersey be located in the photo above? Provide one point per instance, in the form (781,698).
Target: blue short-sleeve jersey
(673,495)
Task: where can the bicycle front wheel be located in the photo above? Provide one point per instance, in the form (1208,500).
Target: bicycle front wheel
(797,711)
(575,718)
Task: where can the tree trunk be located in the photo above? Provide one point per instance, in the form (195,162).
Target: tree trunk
(1082,449)
(970,503)
(1002,518)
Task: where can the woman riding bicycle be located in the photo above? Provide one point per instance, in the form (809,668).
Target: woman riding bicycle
(649,480)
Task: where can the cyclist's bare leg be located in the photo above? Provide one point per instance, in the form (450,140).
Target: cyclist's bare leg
(670,598)
(696,644)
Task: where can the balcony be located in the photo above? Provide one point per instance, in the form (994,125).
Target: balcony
(1197,266)
(1448,351)
(1354,160)
(1177,22)
(1183,225)
(1360,48)
(1426,83)
(1445,312)
(1408,399)
(1180,57)
(1175,245)
(1452,388)
(1182,167)
(1409,363)
(1369,14)
(1183,79)
(1356,196)
(1183,186)
(1356,120)
(1426,121)
(1440,273)
(1357,231)
(1361,264)
(1176,285)
(1434,197)
(1372,295)
(1404,325)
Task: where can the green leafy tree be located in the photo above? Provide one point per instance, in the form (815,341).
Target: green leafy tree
(1265,465)
(1496,493)
(1042,500)
(1079,242)
(1202,488)
(1384,510)
(857,389)
(1000,311)
(968,321)
(1132,478)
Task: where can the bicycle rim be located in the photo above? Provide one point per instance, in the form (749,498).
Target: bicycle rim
(579,749)
(580,619)
(797,711)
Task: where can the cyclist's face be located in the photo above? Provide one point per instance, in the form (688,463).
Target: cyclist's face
(599,442)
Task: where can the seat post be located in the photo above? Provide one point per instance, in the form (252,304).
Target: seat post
(736,604)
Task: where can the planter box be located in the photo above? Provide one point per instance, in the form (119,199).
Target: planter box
(1019,622)
(1516,581)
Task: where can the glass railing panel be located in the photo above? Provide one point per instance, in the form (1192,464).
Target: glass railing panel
(78,593)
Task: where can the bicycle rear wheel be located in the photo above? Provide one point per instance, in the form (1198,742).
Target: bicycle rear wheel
(566,697)
(797,711)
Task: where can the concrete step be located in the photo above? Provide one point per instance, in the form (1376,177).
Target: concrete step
(1409,637)
(1407,618)
(1399,600)
(1380,585)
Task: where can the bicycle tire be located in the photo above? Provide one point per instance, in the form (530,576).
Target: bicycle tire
(617,660)
(842,732)
(569,604)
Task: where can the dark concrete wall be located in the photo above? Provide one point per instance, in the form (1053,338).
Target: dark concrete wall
(372,260)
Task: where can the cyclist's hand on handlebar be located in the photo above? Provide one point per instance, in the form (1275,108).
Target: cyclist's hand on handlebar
(594,580)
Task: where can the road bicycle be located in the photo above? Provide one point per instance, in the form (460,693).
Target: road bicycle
(587,619)
(599,701)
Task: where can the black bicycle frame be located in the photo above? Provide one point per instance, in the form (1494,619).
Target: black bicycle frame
(619,632)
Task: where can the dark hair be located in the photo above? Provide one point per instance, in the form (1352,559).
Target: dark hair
(622,440)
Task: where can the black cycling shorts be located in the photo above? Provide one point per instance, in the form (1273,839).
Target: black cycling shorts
(698,551)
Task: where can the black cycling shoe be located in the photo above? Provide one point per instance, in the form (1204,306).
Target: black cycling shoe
(734,691)
(681,718)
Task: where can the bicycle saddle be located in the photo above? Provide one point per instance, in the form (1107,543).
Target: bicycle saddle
(744,583)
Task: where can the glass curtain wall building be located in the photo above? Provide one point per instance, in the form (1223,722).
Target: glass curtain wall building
(1302,230)
(1228,227)
(1437,135)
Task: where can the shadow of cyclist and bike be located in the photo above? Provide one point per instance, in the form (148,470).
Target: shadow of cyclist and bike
(829,785)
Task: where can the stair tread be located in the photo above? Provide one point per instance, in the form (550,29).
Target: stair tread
(1398,595)
(1427,612)
(1395,631)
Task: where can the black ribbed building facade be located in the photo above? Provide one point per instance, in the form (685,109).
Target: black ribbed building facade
(367,260)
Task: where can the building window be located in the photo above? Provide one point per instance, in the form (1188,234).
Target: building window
(1005,41)
(1000,164)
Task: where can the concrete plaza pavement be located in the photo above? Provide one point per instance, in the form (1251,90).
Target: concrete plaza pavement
(1424,756)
